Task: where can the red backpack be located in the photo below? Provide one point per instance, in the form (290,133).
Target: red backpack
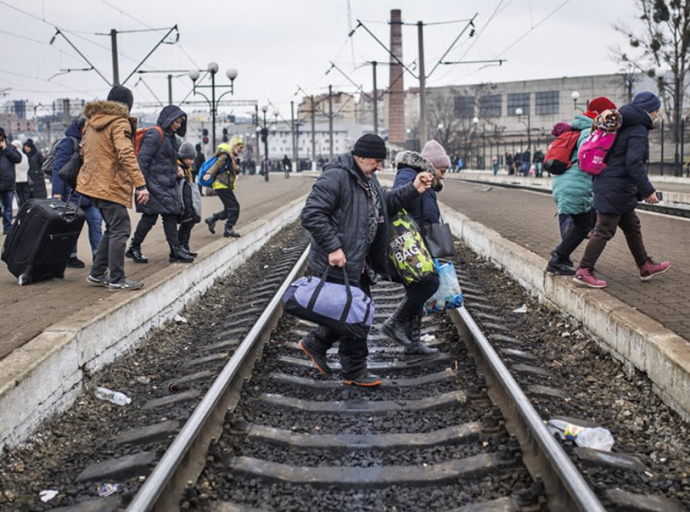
(558,156)
(139,137)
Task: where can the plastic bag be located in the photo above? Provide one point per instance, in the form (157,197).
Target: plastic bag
(449,294)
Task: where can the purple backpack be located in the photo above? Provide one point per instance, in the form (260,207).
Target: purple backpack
(592,153)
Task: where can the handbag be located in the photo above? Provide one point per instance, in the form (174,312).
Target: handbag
(449,294)
(343,308)
(438,238)
(408,252)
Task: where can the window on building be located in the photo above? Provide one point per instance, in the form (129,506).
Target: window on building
(546,102)
(464,106)
(518,100)
(490,106)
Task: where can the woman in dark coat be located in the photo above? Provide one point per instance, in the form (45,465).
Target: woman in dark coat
(619,188)
(158,162)
(37,180)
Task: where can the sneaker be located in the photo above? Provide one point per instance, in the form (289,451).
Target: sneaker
(586,277)
(364,379)
(101,280)
(231,233)
(651,269)
(318,360)
(125,284)
(75,262)
(559,266)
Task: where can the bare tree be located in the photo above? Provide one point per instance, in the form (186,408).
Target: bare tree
(662,41)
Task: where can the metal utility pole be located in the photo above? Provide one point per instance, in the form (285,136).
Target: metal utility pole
(330,119)
(422,87)
(170,98)
(116,68)
(375,99)
(292,127)
(313,134)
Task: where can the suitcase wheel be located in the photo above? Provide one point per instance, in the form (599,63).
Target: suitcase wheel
(23,279)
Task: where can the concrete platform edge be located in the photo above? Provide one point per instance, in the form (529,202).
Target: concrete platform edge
(628,335)
(45,376)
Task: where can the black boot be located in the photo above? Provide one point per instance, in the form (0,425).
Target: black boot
(134,253)
(211,223)
(179,255)
(229,232)
(559,265)
(192,254)
(414,331)
(394,326)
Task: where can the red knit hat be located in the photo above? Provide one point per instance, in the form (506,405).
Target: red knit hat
(600,104)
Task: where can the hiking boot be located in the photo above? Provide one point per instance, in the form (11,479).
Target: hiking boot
(414,331)
(559,265)
(363,379)
(395,326)
(586,277)
(651,269)
(101,280)
(192,254)
(211,223)
(75,262)
(318,358)
(179,255)
(134,254)
(125,284)
(229,232)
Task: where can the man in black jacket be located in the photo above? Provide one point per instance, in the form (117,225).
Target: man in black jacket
(347,216)
(8,157)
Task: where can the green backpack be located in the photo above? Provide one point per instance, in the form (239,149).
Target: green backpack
(408,252)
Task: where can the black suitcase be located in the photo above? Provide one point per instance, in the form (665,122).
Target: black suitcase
(41,239)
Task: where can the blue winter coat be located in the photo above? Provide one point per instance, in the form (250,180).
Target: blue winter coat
(158,163)
(572,190)
(63,152)
(8,158)
(624,182)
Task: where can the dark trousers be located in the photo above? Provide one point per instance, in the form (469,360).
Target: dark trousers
(185,232)
(23,193)
(6,209)
(605,229)
(232,208)
(418,293)
(353,352)
(148,220)
(582,224)
(111,250)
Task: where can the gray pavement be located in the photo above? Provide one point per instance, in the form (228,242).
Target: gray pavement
(529,219)
(26,311)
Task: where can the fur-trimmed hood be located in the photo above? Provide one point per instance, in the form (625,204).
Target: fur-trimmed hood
(415,161)
(101,113)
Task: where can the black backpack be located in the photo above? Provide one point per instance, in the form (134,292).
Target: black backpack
(70,170)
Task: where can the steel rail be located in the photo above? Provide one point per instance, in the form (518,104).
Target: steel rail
(664,209)
(565,487)
(162,489)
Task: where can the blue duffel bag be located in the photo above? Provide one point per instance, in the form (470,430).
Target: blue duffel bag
(343,308)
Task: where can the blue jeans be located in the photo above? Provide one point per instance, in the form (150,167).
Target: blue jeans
(94,221)
(6,197)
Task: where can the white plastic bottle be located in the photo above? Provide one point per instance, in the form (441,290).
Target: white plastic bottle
(113,396)
(597,438)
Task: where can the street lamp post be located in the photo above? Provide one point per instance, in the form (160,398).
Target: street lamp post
(576,96)
(212,68)
(519,112)
(264,131)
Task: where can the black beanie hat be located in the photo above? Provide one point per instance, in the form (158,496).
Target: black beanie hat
(370,146)
(121,94)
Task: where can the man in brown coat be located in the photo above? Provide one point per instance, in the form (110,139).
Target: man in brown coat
(110,175)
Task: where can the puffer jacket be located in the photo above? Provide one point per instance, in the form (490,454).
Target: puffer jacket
(572,190)
(424,208)
(336,214)
(9,157)
(63,152)
(158,162)
(36,177)
(228,177)
(624,181)
(110,170)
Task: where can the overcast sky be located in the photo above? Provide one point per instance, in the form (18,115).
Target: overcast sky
(280,45)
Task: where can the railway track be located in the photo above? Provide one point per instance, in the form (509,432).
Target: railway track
(430,437)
